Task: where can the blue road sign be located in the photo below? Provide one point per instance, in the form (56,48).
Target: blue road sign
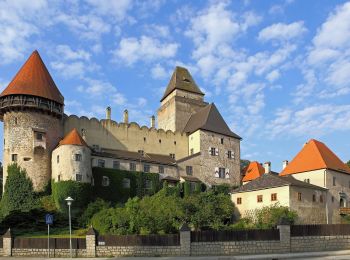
(49,219)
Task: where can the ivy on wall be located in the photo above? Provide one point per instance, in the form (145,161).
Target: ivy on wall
(141,184)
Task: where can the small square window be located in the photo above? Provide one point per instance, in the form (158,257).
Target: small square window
(334,183)
(101,163)
(189,170)
(77,157)
(161,169)
(260,198)
(39,136)
(132,166)
(273,196)
(126,183)
(314,198)
(212,151)
(299,196)
(78,177)
(239,201)
(14,157)
(146,168)
(116,165)
(105,181)
(222,140)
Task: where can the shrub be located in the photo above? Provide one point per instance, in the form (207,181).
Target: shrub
(19,194)
(268,217)
(80,192)
(92,208)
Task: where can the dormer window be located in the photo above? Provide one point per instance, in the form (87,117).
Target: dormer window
(186,80)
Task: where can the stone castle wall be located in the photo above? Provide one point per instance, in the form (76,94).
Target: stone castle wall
(131,137)
(19,138)
(65,167)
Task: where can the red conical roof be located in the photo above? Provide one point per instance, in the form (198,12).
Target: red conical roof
(34,79)
(253,171)
(74,138)
(315,155)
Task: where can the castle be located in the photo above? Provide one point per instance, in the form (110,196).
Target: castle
(192,142)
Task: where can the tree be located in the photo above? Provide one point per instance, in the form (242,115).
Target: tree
(348,163)
(19,193)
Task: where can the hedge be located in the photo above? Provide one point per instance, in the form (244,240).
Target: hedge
(115,192)
(80,192)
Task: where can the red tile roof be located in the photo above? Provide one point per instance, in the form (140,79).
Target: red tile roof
(253,171)
(315,155)
(74,138)
(34,79)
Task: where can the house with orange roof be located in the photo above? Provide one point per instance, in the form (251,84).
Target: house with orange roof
(255,170)
(318,165)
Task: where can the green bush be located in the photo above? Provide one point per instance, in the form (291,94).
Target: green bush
(268,217)
(115,192)
(19,194)
(92,208)
(80,192)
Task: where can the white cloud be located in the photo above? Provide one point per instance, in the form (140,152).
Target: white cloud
(131,50)
(156,30)
(282,31)
(66,53)
(69,69)
(158,72)
(273,75)
(116,10)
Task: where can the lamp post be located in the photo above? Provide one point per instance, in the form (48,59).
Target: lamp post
(69,203)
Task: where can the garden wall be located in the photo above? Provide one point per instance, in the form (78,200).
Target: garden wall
(304,238)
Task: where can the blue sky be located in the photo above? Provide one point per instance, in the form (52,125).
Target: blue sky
(278,71)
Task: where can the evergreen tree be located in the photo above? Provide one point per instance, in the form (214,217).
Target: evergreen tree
(19,193)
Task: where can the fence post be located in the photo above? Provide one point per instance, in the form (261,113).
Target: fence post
(7,243)
(91,243)
(185,240)
(285,237)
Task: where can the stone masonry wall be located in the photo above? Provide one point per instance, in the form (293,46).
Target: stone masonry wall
(44,252)
(19,138)
(108,251)
(320,243)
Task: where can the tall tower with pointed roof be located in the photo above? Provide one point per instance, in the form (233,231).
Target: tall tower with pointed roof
(181,99)
(31,108)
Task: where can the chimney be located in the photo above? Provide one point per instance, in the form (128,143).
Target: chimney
(108,113)
(285,163)
(126,117)
(83,134)
(267,166)
(153,121)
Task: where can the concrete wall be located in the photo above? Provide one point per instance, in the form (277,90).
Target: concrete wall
(250,204)
(67,167)
(125,165)
(19,138)
(131,137)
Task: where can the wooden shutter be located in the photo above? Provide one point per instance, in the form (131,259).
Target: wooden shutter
(216,151)
(227,173)
(217,172)
(209,150)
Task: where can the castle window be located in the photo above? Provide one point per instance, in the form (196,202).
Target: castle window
(259,198)
(334,181)
(14,157)
(77,157)
(321,199)
(15,120)
(174,142)
(58,159)
(78,177)
(161,169)
(239,201)
(189,170)
(160,141)
(101,163)
(144,139)
(222,140)
(214,151)
(140,152)
(146,168)
(39,136)
(229,154)
(273,196)
(148,185)
(126,183)
(172,155)
(132,166)
(191,151)
(314,198)
(299,196)
(26,159)
(222,173)
(105,181)
(116,165)
(59,177)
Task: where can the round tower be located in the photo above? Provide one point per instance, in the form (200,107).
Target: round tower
(31,108)
(71,160)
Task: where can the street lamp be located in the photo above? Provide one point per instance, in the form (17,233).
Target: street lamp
(69,203)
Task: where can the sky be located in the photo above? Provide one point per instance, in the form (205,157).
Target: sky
(278,71)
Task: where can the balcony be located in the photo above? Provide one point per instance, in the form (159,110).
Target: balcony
(344,211)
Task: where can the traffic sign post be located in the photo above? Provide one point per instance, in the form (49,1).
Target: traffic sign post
(49,221)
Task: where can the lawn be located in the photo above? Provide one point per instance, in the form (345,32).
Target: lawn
(54,233)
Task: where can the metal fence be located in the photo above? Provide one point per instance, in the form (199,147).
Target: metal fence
(235,235)
(320,230)
(55,243)
(139,240)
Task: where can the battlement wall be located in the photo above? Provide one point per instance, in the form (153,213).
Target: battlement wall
(113,135)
